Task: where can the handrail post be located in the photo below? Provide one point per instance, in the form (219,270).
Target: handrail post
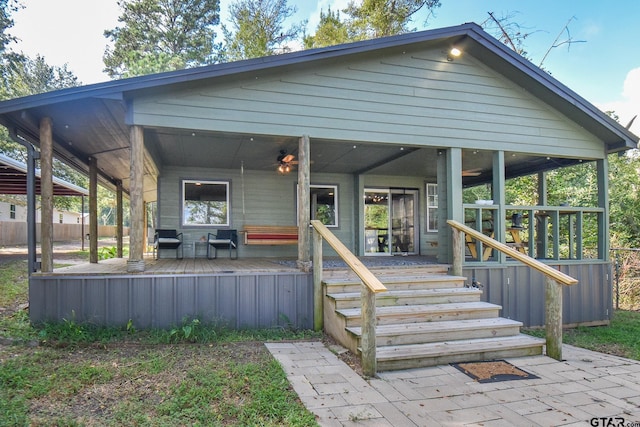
(368,342)
(553,318)
(318,300)
(458,250)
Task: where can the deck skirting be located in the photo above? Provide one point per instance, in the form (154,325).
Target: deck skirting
(235,300)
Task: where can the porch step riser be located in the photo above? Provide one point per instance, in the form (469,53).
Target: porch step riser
(382,272)
(347,287)
(423,362)
(446,334)
(417,316)
(388,299)
(419,355)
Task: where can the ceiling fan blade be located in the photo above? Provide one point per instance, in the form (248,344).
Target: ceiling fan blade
(472,172)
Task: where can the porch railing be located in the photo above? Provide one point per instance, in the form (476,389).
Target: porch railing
(543,232)
(554,280)
(370,287)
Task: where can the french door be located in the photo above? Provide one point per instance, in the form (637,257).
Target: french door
(390,221)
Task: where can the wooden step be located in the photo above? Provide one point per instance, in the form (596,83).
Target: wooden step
(431,354)
(409,297)
(416,333)
(395,270)
(424,313)
(396,283)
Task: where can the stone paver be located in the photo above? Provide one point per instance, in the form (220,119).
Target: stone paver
(569,393)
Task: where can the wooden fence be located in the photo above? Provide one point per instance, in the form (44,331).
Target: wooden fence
(15,233)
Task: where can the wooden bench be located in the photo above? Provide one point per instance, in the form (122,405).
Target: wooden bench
(270,235)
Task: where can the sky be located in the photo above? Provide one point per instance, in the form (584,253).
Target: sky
(603,66)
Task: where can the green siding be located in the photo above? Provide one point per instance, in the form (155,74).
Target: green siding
(269,199)
(408,98)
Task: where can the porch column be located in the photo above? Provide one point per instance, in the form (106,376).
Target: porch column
(93,210)
(46,194)
(136,231)
(602,171)
(304,216)
(498,195)
(542,239)
(358,214)
(453,184)
(119,219)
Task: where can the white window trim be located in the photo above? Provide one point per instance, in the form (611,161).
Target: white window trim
(429,206)
(334,187)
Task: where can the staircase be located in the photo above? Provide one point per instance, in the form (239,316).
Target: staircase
(425,318)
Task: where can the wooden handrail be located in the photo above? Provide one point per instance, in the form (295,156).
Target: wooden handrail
(370,286)
(554,280)
(349,258)
(543,268)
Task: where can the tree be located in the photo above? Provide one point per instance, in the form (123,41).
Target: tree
(514,35)
(257,29)
(32,76)
(162,35)
(379,18)
(330,31)
(7,59)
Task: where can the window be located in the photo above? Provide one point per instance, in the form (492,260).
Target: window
(12,211)
(205,203)
(323,204)
(432,207)
(60,218)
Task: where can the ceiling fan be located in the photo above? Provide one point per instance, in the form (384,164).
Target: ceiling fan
(472,172)
(285,161)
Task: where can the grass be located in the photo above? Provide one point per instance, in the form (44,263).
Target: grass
(619,338)
(193,374)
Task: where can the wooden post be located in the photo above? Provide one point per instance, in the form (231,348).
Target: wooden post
(46,194)
(318,298)
(119,219)
(553,315)
(304,213)
(458,252)
(93,210)
(136,188)
(368,343)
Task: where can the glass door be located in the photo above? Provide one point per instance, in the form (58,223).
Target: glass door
(403,221)
(376,222)
(390,218)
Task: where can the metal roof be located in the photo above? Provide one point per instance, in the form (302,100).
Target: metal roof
(13,180)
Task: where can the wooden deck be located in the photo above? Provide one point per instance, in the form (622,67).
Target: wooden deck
(181,266)
(225,265)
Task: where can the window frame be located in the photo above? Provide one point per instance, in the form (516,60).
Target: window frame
(336,211)
(429,207)
(186,181)
(12,211)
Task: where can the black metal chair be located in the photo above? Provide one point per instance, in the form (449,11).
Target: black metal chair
(223,239)
(167,239)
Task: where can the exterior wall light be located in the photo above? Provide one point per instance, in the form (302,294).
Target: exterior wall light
(454,52)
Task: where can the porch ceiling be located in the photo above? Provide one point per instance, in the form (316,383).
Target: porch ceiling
(260,152)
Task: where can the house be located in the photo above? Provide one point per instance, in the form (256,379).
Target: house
(377,139)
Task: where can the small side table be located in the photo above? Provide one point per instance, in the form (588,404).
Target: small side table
(199,249)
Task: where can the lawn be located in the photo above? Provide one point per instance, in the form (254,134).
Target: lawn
(192,374)
(72,374)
